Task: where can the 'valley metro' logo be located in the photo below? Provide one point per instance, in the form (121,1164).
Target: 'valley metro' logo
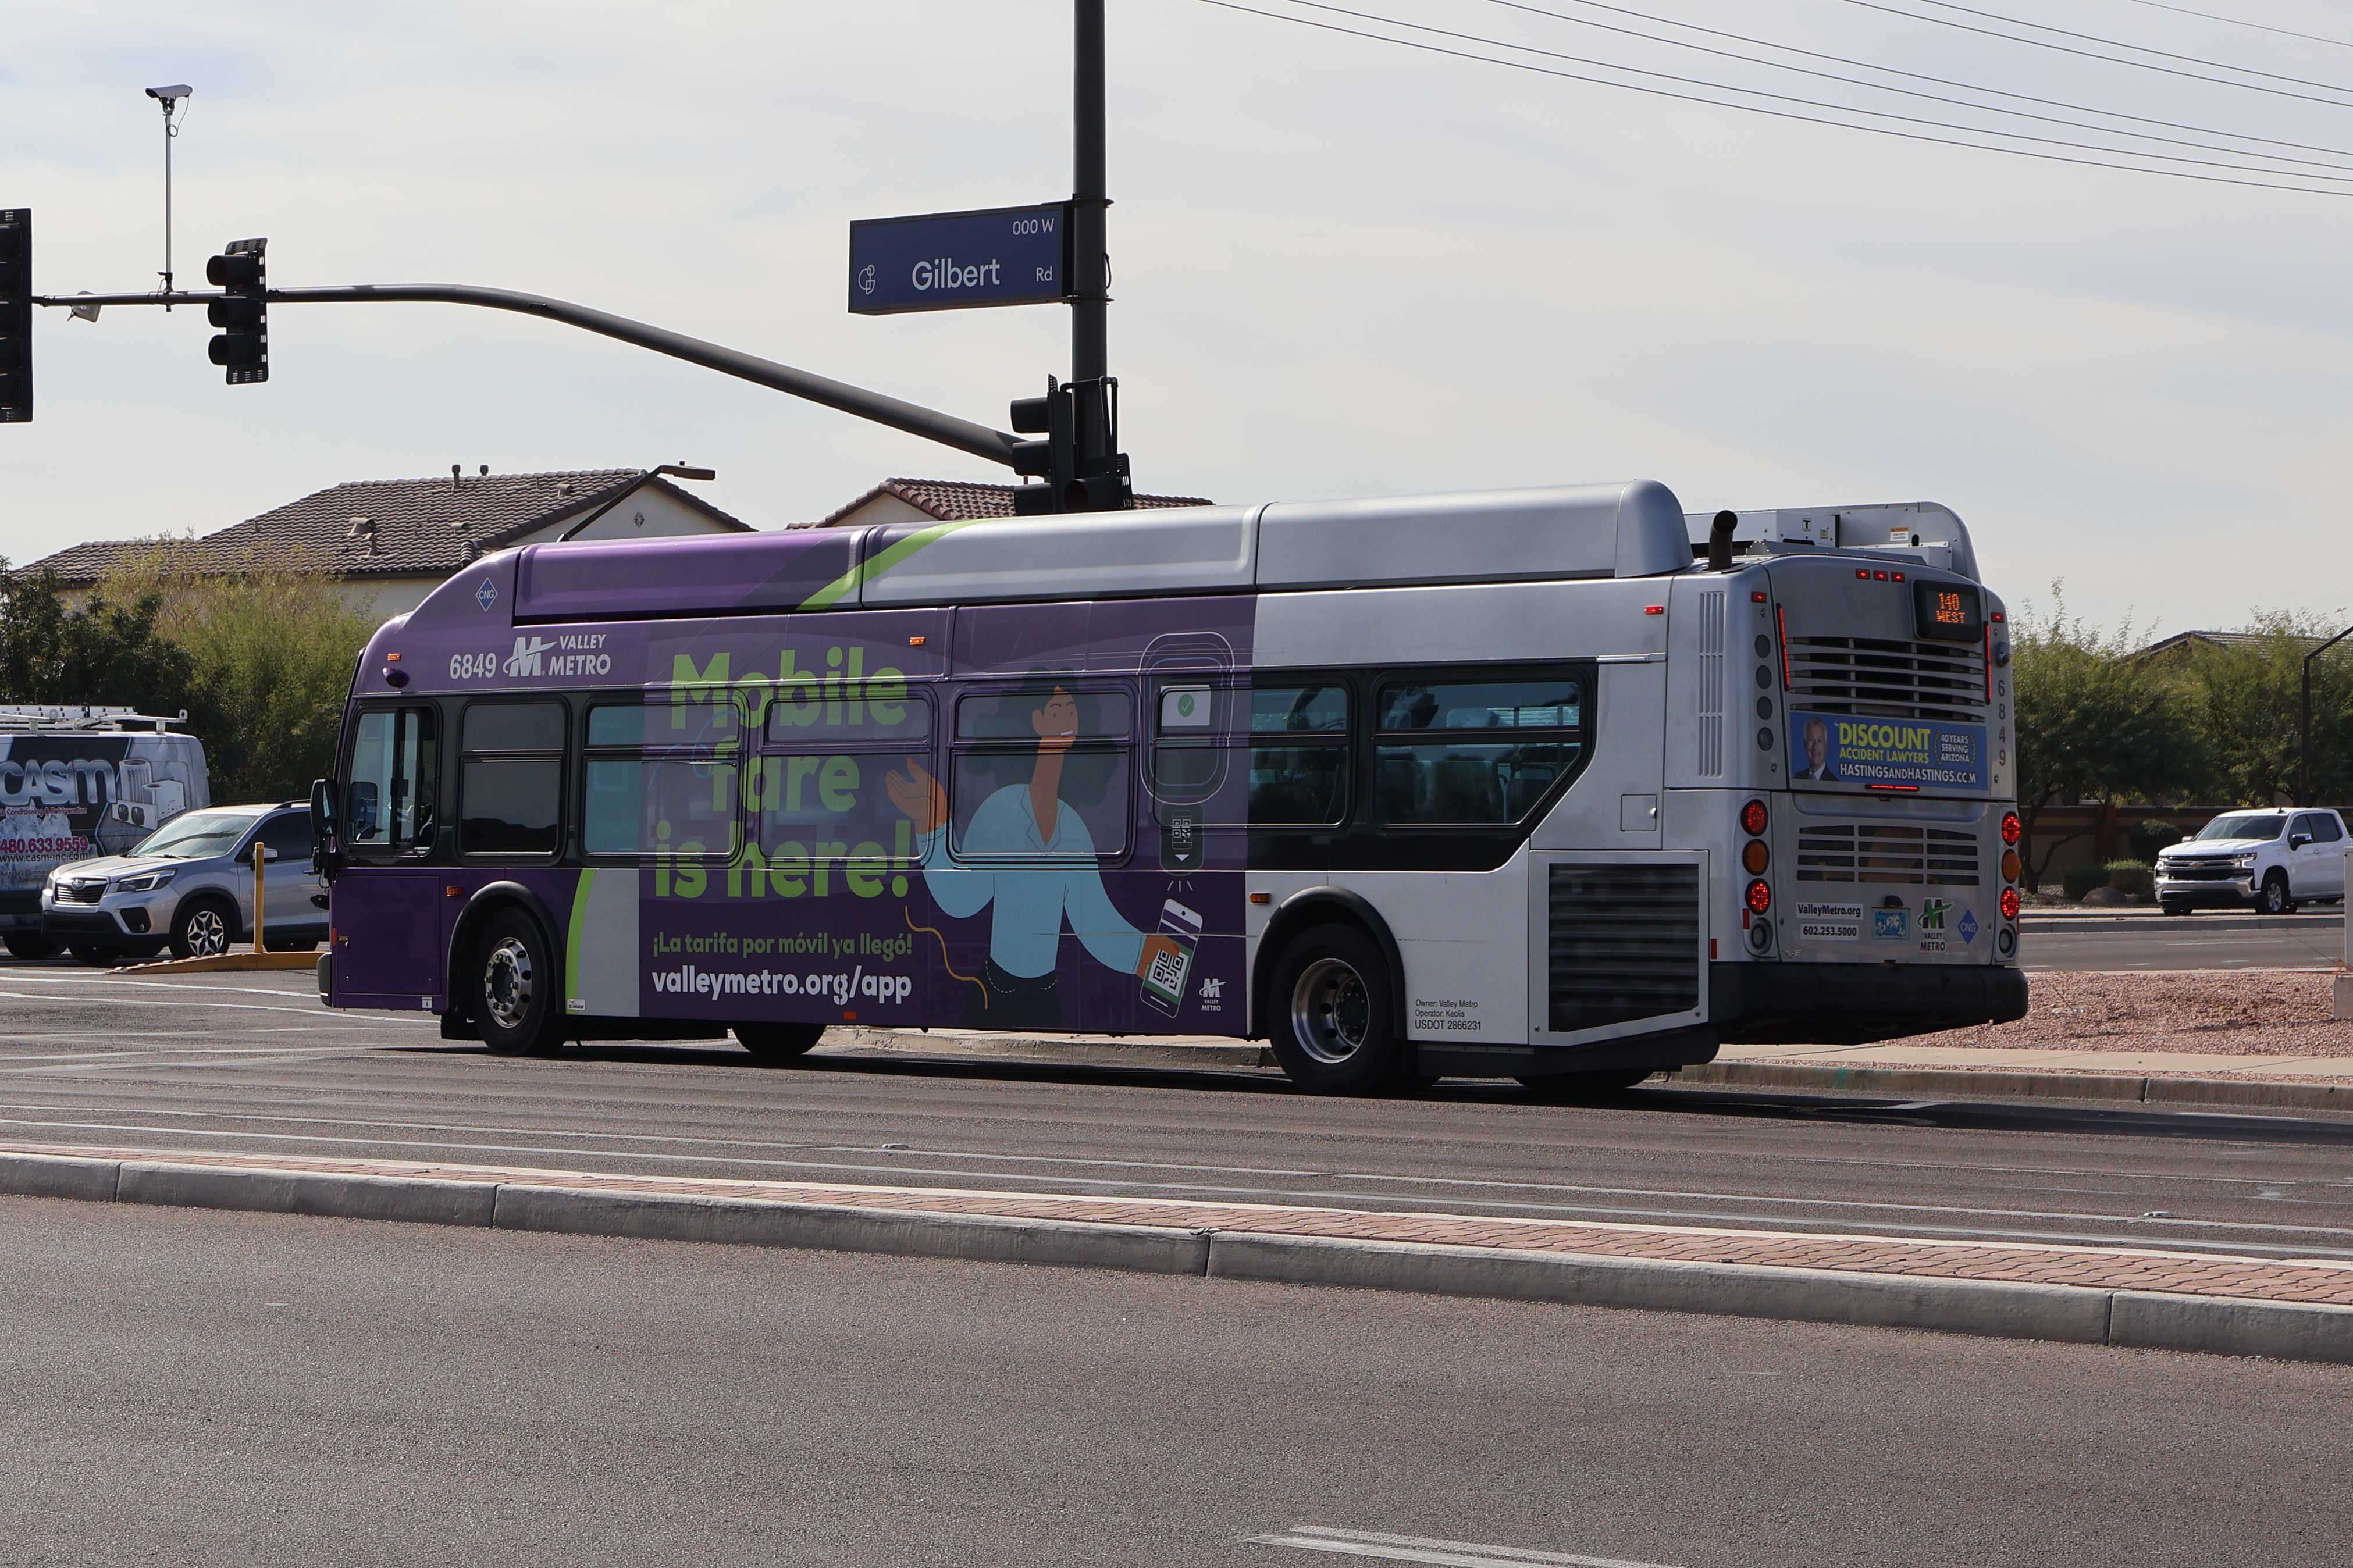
(1933,912)
(530,655)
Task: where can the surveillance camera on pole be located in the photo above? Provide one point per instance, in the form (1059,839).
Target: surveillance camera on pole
(169,99)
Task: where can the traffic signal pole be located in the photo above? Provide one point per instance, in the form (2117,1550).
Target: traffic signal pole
(963,435)
(1091,290)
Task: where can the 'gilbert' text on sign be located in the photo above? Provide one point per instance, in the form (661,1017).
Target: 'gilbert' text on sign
(947,261)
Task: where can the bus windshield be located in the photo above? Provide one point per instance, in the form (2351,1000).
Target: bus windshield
(199,835)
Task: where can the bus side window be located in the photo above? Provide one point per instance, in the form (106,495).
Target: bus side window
(1074,737)
(510,779)
(659,779)
(1300,755)
(1474,752)
(390,800)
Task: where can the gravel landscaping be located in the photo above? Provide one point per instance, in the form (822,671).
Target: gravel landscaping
(2215,1012)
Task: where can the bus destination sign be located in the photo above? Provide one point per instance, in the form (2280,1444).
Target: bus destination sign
(1946,611)
(954,261)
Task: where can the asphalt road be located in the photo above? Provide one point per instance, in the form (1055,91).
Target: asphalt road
(198,1387)
(252,1062)
(2206,940)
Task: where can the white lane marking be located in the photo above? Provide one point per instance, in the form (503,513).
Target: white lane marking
(59,979)
(315,1010)
(1422,1549)
(146,1062)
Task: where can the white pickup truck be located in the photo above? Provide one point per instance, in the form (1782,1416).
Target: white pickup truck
(2268,860)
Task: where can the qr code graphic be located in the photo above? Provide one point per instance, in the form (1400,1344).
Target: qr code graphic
(1167,970)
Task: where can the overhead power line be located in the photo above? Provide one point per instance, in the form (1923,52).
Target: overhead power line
(1809,102)
(2112,59)
(1918,76)
(2242,21)
(2136,49)
(1906,92)
(1780,113)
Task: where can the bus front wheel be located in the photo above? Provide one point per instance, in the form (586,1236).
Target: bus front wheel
(1334,1023)
(771,1044)
(513,986)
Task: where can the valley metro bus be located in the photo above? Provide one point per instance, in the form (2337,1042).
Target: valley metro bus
(1558,785)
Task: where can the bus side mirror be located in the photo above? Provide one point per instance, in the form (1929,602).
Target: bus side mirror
(326,851)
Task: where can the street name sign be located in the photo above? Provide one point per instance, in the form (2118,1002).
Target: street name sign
(954,261)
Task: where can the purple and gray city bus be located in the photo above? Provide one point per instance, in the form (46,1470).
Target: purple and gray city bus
(1558,784)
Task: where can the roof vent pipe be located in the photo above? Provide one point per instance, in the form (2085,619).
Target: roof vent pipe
(1719,540)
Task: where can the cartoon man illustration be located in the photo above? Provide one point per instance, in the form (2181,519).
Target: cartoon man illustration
(1817,753)
(1029,903)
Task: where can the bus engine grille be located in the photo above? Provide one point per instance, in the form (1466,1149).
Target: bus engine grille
(1888,679)
(1623,944)
(1888,852)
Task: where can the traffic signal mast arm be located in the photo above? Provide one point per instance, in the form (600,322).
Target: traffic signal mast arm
(963,435)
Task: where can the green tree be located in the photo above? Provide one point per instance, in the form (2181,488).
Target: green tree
(269,645)
(107,651)
(2095,724)
(2248,696)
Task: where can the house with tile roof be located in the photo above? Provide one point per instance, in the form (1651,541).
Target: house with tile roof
(389,542)
(948,501)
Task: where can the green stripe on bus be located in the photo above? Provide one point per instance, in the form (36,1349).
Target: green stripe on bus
(847,584)
(571,939)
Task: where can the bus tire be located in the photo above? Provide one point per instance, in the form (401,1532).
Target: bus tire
(1574,1087)
(205,928)
(29,945)
(510,986)
(1332,1018)
(772,1045)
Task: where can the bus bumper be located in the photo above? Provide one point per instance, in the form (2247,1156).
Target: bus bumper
(1849,1003)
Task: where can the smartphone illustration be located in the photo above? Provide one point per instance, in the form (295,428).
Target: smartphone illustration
(1164,983)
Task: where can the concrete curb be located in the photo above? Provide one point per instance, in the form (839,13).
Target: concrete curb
(1989,1307)
(1914,1083)
(1997,1309)
(826,1227)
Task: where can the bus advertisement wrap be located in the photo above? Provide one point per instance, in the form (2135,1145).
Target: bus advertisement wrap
(1907,754)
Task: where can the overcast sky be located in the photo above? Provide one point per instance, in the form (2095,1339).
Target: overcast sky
(1341,267)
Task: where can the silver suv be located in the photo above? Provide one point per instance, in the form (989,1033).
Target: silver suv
(190,884)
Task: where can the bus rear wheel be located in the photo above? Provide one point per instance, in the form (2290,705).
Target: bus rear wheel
(772,1044)
(511,985)
(1334,1023)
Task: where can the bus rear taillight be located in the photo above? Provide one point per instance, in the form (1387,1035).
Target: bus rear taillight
(2011,865)
(1753,819)
(1755,857)
(1761,897)
(2008,903)
(2012,830)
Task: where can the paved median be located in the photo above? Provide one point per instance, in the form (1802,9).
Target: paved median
(2293,1310)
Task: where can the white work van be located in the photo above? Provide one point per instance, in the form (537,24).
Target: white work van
(78,782)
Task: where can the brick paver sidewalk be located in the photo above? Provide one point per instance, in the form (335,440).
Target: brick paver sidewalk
(2092,1267)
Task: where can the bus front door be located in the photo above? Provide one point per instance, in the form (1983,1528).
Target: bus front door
(387,939)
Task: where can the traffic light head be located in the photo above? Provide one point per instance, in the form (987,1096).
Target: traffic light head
(243,316)
(235,271)
(15,315)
